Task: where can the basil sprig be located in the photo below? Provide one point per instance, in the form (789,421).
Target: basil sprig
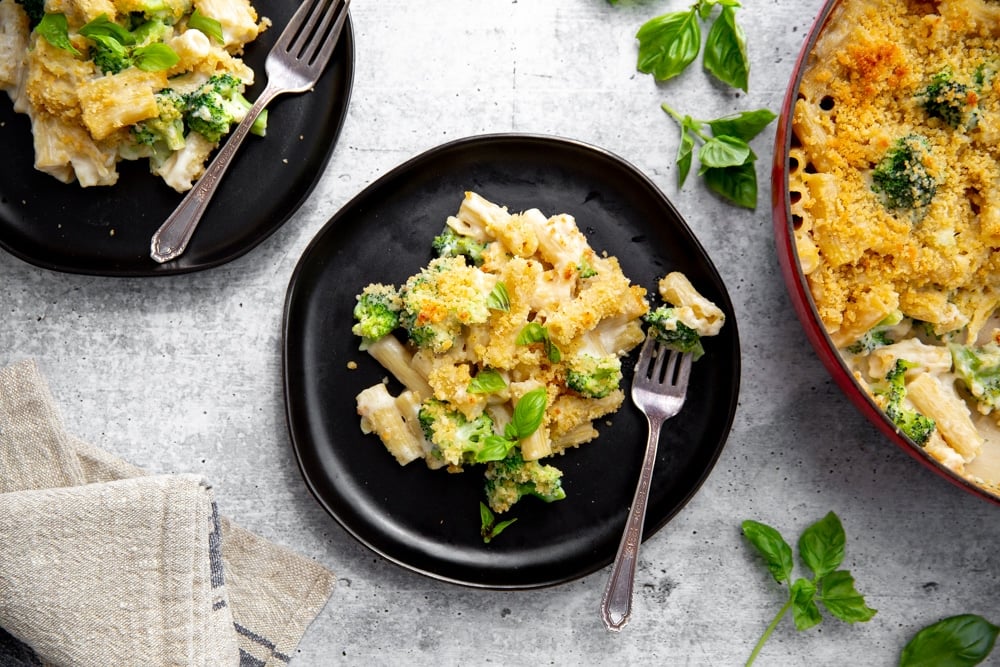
(821,549)
(956,641)
(533,332)
(490,526)
(54,29)
(670,42)
(725,157)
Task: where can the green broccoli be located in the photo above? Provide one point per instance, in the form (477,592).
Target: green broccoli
(35,9)
(593,376)
(914,425)
(165,11)
(446,295)
(217,104)
(665,326)
(902,177)
(877,336)
(163,134)
(585,269)
(450,243)
(109,55)
(456,439)
(513,478)
(376,312)
(951,101)
(979,370)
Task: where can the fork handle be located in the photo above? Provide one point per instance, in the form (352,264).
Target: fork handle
(172,238)
(616,603)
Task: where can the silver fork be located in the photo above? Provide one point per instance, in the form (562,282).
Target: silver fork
(658,389)
(294,65)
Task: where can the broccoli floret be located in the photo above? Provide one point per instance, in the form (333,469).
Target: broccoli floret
(376,312)
(456,439)
(665,326)
(593,376)
(449,243)
(165,11)
(217,104)
(35,9)
(165,133)
(512,478)
(585,269)
(902,177)
(109,55)
(446,295)
(914,425)
(149,32)
(951,101)
(979,370)
(877,336)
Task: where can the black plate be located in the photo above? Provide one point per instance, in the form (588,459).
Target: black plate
(428,521)
(107,230)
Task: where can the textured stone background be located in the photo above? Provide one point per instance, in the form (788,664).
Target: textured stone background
(183,374)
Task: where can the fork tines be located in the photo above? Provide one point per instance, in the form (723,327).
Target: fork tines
(321,21)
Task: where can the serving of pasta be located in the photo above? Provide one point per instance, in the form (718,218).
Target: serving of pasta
(894,182)
(109,80)
(508,347)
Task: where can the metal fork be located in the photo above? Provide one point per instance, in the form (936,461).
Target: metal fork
(658,390)
(294,65)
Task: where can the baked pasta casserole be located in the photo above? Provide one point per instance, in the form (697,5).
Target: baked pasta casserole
(894,181)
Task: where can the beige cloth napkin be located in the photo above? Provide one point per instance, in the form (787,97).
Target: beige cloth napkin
(104,564)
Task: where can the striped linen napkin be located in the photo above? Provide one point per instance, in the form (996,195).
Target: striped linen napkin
(103,564)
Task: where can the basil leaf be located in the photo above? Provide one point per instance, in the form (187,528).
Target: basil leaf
(726,51)
(102,26)
(485,517)
(821,545)
(207,25)
(685,154)
(955,641)
(737,184)
(533,332)
(805,613)
(155,57)
(745,125)
(498,298)
(529,412)
(668,43)
(54,29)
(489,529)
(494,448)
(497,529)
(487,381)
(724,151)
(841,599)
(772,546)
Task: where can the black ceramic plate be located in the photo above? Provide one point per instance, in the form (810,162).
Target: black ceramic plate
(107,230)
(428,521)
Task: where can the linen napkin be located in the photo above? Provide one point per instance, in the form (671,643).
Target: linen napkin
(102,563)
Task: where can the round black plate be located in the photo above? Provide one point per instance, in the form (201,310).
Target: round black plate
(107,230)
(428,521)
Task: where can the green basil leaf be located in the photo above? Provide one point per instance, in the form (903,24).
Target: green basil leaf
(821,545)
(724,151)
(745,125)
(487,381)
(529,412)
(955,641)
(485,517)
(533,332)
(207,25)
(726,51)
(805,613)
(54,29)
(498,299)
(737,184)
(494,448)
(772,546)
(841,599)
(510,431)
(155,57)
(668,44)
(685,154)
(551,351)
(102,26)
(497,529)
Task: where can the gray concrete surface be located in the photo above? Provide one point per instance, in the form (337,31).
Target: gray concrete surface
(183,374)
